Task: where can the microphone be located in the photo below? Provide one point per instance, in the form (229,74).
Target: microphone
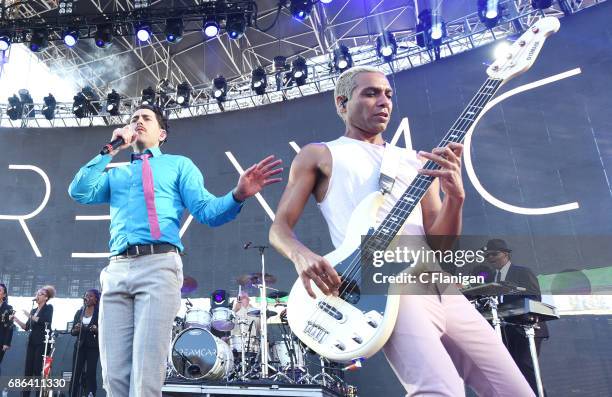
(247,245)
(33,299)
(112,145)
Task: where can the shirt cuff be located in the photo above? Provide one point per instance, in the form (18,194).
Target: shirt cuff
(230,200)
(99,162)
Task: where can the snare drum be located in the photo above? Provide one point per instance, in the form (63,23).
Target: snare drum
(197,318)
(279,353)
(251,347)
(198,354)
(222,319)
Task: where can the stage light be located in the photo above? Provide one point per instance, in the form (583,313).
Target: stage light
(326,1)
(148,96)
(211,27)
(280,63)
(5,41)
(143,31)
(14,109)
(236,26)
(174,30)
(48,109)
(300,9)
(219,88)
(183,93)
(386,46)
(501,50)
(104,35)
(27,102)
(489,12)
(65,7)
(39,40)
(431,29)
(299,71)
(342,58)
(259,80)
(80,106)
(71,36)
(541,4)
(113,101)
(219,298)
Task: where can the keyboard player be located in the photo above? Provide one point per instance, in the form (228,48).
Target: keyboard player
(498,255)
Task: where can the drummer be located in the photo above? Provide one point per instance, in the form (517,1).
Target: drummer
(241,307)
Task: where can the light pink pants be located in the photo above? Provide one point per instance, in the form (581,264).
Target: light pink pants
(439,340)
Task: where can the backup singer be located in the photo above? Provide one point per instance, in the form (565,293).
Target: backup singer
(6,323)
(39,319)
(86,351)
(141,284)
(439,339)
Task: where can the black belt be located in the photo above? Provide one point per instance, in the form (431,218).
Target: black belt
(146,249)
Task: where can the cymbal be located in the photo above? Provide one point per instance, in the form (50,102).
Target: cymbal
(257,312)
(189,285)
(277,294)
(255,278)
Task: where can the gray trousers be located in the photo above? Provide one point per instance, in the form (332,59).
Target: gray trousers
(140,298)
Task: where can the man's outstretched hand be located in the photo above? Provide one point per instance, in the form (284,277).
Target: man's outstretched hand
(256,177)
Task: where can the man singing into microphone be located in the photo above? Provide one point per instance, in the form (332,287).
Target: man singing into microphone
(141,284)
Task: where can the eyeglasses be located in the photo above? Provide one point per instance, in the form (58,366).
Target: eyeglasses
(491,253)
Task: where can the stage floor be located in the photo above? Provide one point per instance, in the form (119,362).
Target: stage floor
(211,389)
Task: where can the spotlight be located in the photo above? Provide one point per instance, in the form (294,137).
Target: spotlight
(27,102)
(148,96)
(71,36)
(80,106)
(39,40)
(300,9)
(183,93)
(219,298)
(299,70)
(143,31)
(489,12)
(5,41)
(113,100)
(236,26)
(280,63)
(174,30)
(104,35)
(211,28)
(501,50)
(386,46)
(48,109)
(541,4)
(219,88)
(326,1)
(342,58)
(259,81)
(431,29)
(14,109)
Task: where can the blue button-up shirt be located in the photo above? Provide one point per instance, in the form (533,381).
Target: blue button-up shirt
(178,185)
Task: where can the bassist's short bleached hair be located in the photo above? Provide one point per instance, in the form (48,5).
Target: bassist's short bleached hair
(347,82)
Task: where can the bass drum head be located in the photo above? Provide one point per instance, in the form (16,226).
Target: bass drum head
(197,354)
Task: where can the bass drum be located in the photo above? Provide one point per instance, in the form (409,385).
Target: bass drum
(198,354)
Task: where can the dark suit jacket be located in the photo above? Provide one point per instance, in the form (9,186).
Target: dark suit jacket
(88,338)
(37,328)
(524,277)
(6,327)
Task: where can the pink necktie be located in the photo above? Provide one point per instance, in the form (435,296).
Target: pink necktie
(149,194)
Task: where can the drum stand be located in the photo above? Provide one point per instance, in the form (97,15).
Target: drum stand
(323,378)
(530,335)
(263,316)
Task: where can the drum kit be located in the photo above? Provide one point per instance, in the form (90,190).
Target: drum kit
(218,344)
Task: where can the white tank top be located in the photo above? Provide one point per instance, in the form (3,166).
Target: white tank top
(355,173)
